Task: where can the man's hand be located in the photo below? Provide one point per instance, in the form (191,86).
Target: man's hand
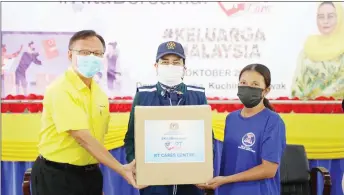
(134,172)
(130,174)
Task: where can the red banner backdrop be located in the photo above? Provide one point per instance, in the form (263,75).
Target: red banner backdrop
(120,107)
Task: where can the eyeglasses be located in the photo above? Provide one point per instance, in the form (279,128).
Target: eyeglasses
(87,53)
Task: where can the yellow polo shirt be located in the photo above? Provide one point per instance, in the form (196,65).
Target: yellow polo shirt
(70,105)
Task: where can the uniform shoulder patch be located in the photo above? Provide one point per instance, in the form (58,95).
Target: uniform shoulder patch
(150,88)
(195,88)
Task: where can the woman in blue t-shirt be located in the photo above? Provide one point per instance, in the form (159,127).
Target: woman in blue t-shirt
(254,140)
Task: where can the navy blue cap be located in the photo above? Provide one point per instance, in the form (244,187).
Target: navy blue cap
(170,47)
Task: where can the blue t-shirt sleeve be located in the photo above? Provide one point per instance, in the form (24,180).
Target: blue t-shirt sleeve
(274,140)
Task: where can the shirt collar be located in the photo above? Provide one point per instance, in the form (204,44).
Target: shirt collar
(76,80)
(178,88)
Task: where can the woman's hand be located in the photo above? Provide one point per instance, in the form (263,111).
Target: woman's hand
(202,186)
(213,183)
(216,182)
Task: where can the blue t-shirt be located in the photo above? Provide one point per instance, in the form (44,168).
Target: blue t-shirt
(247,141)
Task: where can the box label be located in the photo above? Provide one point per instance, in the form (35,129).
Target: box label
(174,141)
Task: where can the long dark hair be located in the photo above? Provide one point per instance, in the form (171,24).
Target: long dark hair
(265,72)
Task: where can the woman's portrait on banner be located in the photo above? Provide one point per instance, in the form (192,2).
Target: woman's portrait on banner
(320,66)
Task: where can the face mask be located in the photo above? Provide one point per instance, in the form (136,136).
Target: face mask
(170,75)
(250,96)
(88,66)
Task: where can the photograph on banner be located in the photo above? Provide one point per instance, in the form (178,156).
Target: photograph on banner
(320,65)
(113,72)
(32,60)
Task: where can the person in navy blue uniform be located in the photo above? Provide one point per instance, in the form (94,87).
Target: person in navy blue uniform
(254,141)
(169,91)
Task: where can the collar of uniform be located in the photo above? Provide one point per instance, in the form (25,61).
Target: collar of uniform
(179,88)
(77,82)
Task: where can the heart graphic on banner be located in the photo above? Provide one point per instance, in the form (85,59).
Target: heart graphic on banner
(167,145)
(231,8)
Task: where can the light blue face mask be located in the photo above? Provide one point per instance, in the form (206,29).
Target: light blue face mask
(88,66)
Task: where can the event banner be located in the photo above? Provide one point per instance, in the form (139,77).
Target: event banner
(300,42)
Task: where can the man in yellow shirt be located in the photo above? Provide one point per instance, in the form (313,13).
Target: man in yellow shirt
(74,122)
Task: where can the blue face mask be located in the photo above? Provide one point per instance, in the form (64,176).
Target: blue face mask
(88,66)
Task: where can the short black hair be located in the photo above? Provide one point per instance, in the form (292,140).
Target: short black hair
(84,34)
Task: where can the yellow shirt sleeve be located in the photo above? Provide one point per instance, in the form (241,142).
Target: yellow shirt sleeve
(67,114)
